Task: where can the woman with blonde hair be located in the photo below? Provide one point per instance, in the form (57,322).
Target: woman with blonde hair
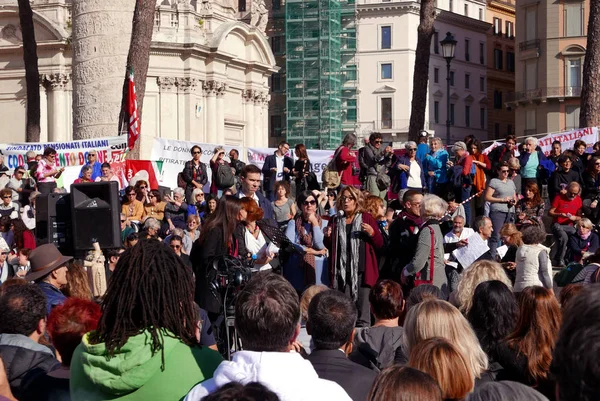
(584,240)
(437,318)
(353,239)
(513,239)
(398,383)
(78,283)
(477,273)
(428,264)
(444,362)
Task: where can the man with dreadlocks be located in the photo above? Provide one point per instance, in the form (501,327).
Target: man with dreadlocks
(145,346)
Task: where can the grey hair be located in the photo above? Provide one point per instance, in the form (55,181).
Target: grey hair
(177,231)
(179,191)
(349,139)
(504,391)
(85,168)
(409,144)
(151,222)
(195,192)
(437,140)
(30,154)
(479,223)
(433,207)
(532,139)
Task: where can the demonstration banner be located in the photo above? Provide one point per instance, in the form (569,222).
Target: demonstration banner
(567,140)
(175,153)
(318,158)
(149,171)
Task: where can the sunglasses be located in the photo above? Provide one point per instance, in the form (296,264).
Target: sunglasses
(123,221)
(91,155)
(196,153)
(143,187)
(597,164)
(573,194)
(7,197)
(133,194)
(311,203)
(378,141)
(20,172)
(412,149)
(4,253)
(176,246)
(504,171)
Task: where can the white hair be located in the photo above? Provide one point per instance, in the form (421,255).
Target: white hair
(433,207)
(179,191)
(410,144)
(151,222)
(195,192)
(532,140)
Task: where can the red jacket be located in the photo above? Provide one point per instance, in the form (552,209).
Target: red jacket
(344,161)
(372,243)
(28,240)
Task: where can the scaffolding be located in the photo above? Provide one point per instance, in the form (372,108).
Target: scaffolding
(320,82)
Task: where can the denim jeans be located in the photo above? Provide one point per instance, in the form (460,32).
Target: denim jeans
(498,220)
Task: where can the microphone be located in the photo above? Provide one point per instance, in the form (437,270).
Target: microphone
(341,213)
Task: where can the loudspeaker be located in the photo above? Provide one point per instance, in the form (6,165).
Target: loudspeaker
(53,221)
(95,214)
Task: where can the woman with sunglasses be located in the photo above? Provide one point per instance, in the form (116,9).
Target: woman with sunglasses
(194,173)
(132,208)
(7,206)
(502,195)
(410,169)
(155,207)
(47,173)
(142,189)
(308,266)
(353,238)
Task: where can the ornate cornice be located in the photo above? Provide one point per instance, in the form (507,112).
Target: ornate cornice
(217,88)
(166,84)
(389,7)
(186,84)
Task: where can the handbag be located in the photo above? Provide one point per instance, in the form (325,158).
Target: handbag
(418,280)
(332,178)
(383,180)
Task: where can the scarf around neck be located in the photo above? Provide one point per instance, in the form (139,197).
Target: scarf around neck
(345,264)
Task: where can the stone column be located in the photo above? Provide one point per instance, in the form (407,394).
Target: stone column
(43,111)
(221,113)
(101,37)
(259,131)
(186,106)
(214,127)
(167,108)
(263,140)
(248,99)
(57,108)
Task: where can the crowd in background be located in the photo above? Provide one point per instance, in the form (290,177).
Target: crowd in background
(357,290)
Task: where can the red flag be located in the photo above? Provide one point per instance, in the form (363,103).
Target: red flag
(133,132)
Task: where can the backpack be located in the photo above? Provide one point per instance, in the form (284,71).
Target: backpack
(224,177)
(180,181)
(331,177)
(567,274)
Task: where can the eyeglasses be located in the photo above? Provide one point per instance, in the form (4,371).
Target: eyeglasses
(131,194)
(310,202)
(346,198)
(20,172)
(504,171)
(412,149)
(196,153)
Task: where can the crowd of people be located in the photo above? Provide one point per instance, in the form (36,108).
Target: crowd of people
(426,273)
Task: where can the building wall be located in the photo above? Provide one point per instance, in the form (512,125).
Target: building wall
(208,77)
(501,77)
(547,99)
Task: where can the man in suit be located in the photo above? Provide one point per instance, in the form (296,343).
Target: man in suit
(331,319)
(277,167)
(250,178)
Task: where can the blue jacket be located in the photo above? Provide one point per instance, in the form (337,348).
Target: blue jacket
(437,163)
(542,169)
(403,175)
(53,296)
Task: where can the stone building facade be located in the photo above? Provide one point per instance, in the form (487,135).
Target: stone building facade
(208,77)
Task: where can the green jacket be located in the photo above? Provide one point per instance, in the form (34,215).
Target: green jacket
(135,374)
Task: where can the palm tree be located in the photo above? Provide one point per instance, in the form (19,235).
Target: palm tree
(32,74)
(590,91)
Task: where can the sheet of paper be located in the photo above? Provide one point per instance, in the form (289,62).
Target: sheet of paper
(469,254)
(502,250)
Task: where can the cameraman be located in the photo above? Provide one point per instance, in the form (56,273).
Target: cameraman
(216,241)
(502,195)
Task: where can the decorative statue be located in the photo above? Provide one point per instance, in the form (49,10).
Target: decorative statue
(259,15)
(94,264)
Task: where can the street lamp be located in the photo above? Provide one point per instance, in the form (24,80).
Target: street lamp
(448,48)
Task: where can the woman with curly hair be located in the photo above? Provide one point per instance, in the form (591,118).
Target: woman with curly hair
(493,315)
(526,354)
(477,273)
(437,318)
(531,208)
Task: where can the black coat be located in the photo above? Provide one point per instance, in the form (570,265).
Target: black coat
(333,365)
(266,206)
(20,362)
(270,177)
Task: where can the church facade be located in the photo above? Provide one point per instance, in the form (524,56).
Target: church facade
(208,77)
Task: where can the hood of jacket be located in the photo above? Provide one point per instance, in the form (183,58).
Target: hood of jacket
(131,367)
(382,340)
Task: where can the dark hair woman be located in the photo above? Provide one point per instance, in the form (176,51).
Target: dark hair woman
(301,170)
(562,177)
(147,331)
(216,241)
(47,173)
(24,237)
(493,315)
(591,190)
(194,174)
(398,383)
(526,353)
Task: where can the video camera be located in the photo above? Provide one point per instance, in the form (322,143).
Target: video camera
(228,275)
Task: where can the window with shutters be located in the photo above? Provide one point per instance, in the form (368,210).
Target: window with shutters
(530,120)
(510,29)
(530,75)
(573,19)
(531,23)
(572,117)
(497,26)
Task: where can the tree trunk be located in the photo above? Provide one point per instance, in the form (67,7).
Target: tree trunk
(421,73)
(32,74)
(139,53)
(101,36)
(590,92)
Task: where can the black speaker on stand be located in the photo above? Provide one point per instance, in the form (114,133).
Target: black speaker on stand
(53,221)
(95,214)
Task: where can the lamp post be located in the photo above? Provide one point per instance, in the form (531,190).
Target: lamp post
(448,48)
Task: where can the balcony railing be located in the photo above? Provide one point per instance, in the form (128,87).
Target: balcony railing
(529,44)
(543,93)
(391,125)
